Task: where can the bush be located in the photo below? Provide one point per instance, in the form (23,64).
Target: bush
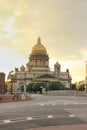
(73,87)
(56,85)
(36,86)
(29,87)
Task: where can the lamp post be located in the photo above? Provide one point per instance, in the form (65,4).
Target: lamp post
(20,89)
(24,88)
(11,89)
(47,89)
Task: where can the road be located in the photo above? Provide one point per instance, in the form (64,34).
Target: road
(43,111)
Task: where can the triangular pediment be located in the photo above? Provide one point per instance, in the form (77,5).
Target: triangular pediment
(46,76)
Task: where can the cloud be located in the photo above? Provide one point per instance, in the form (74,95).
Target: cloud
(61,24)
(11,59)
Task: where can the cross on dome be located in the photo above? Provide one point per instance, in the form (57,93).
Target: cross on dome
(39,40)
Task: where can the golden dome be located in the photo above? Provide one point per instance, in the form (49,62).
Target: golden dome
(39,47)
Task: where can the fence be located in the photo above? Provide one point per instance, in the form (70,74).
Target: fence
(66,93)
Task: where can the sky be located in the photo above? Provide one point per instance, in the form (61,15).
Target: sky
(61,25)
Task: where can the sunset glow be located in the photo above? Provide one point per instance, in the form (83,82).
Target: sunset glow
(61,24)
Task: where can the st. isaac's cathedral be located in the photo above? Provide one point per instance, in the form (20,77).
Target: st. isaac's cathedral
(37,69)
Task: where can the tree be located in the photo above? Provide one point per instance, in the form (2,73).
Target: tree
(35,87)
(73,87)
(29,87)
(38,86)
(56,85)
(82,87)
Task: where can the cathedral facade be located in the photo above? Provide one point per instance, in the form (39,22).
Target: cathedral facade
(37,69)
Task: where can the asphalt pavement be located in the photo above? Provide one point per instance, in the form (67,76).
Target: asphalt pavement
(44,113)
(63,127)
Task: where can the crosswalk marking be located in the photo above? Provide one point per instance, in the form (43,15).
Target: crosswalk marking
(40,117)
(71,115)
(42,104)
(50,116)
(76,103)
(65,103)
(7,121)
(53,104)
(29,118)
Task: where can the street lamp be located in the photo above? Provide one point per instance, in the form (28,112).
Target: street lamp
(47,88)
(11,87)
(20,83)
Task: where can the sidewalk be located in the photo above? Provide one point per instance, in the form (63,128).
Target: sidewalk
(63,127)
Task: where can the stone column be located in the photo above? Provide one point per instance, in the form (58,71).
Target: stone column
(24,88)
